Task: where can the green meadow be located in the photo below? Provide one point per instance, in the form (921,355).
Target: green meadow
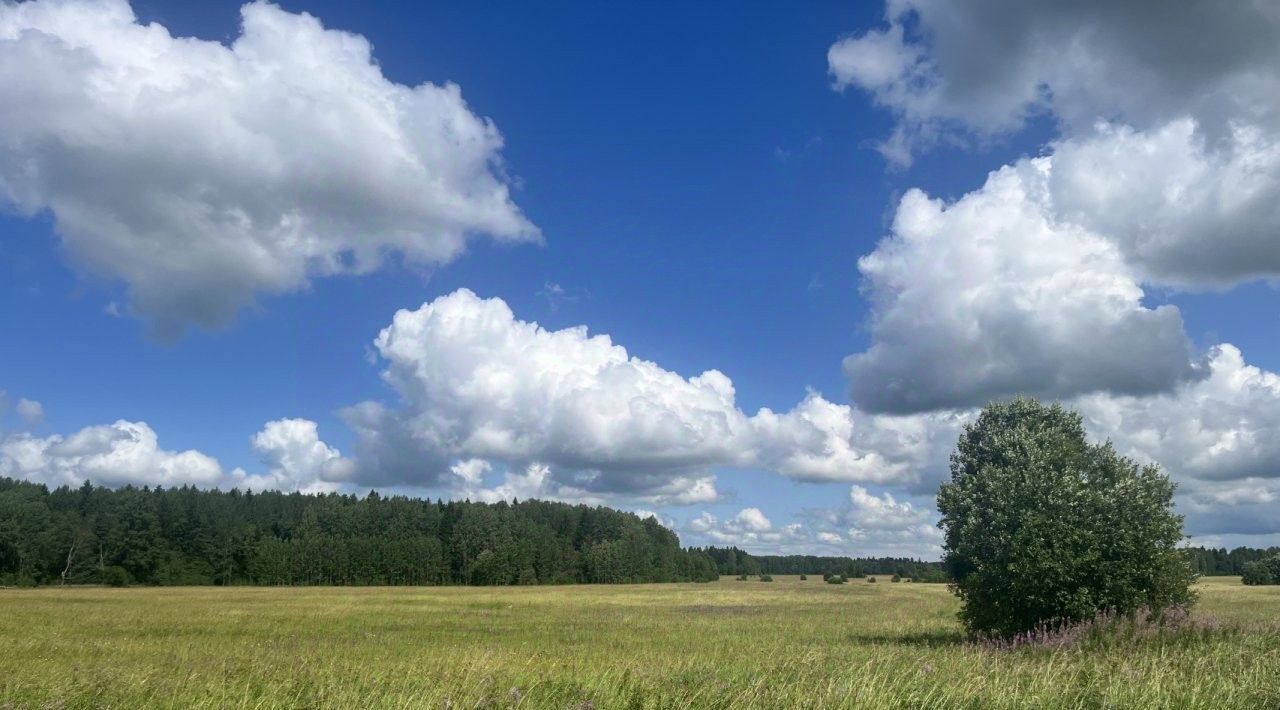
(727,644)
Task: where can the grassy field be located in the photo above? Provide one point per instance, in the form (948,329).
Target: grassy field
(729,644)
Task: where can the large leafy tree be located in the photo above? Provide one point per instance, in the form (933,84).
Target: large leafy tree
(1043,527)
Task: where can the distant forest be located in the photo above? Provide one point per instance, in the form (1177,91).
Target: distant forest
(732,561)
(176,536)
(1218,562)
(187,536)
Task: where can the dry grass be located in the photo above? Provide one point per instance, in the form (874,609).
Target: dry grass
(725,645)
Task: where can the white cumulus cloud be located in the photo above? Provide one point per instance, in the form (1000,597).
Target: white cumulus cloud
(992,296)
(201,174)
(1140,63)
(110,454)
(296,459)
(129,453)
(477,383)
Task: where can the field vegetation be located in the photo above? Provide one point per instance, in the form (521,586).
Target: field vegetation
(720,645)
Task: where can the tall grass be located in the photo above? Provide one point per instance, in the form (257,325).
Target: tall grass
(720,645)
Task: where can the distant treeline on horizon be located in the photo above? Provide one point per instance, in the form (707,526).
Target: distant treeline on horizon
(733,561)
(1219,562)
(188,536)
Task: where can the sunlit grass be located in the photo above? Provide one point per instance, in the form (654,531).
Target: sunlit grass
(729,644)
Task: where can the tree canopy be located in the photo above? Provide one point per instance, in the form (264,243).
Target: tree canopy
(1042,527)
(189,536)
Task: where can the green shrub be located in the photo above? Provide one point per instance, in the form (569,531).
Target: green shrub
(1042,527)
(114,577)
(833,579)
(803,577)
(766,578)
(871,580)
(930,575)
(743,578)
(896,578)
(1257,573)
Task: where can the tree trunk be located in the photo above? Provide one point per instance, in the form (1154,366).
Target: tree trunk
(66,571)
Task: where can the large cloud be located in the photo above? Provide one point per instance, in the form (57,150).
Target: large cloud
(296,459)
(202,174)
(1221,428)
(1140,63)
(129,453)
(992,296)
(1169,114)
(1166,174)
(109,454)
(1183,214)
(477,383)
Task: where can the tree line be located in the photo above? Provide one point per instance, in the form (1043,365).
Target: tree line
(1218,562)
(732,561)
(188,536)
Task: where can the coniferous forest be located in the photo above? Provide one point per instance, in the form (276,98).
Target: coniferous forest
(187,536)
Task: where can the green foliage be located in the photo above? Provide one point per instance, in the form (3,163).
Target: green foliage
(1042,527)
(1211,562)
(114,576)
(804,577)
(931,576)
(1264,571)
(731,561)
(186,536)
(835,579)
(871,580)
(896,578)
(766,578)
(1256,573)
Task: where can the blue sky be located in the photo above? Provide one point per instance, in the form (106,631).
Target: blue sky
(704,181)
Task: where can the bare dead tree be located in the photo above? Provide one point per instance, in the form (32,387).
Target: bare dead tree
(71,553)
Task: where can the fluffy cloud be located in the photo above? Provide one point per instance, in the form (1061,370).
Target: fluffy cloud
(866,524)
(111,454)
(992,295)
(1170,142)
(1184,214)
(870,524)
(748,529)
(821,441)
(31,411)
(201,174)
(477,383)
(1140,63)
(129,453)
(1220,428)
(535,481)
(296,459)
